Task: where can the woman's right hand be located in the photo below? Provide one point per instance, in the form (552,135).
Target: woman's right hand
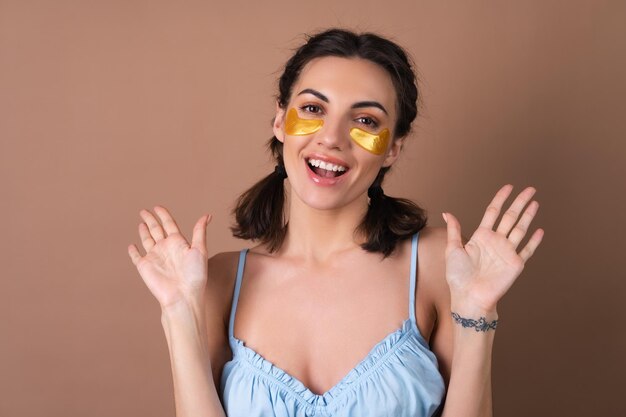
(172,269)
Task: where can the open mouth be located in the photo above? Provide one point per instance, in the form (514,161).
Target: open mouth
(326,169)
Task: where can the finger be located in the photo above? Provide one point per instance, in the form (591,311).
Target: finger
(520,229)
(509,218)
(532,244)
(198,238)
(134,254)
(146,238)
(153,225)
(167,220)
(454,232)
(493,209)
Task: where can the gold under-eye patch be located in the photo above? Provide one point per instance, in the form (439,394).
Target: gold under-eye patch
(297,127)
(376,144)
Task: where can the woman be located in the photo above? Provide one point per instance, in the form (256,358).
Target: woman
(322,326)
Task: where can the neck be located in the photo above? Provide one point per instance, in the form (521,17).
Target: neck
(317,235)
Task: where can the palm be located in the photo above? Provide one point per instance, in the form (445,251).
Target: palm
(171,268)
(488,264)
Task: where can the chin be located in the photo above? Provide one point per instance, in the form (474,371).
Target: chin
(324,199)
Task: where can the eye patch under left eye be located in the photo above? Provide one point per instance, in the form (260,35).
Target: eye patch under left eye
(376,144)
(296,126)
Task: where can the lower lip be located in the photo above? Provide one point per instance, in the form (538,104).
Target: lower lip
(323,181)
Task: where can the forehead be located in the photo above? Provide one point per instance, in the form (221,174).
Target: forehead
(347,80)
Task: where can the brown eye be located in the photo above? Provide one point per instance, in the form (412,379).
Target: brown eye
(311,108)
(367,121)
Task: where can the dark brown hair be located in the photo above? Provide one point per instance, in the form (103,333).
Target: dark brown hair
(259,212)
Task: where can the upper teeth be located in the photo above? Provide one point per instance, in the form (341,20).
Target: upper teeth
(326,165)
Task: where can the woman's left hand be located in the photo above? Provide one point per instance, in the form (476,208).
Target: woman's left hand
(483,270)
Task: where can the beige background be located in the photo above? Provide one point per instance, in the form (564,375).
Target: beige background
(107,107)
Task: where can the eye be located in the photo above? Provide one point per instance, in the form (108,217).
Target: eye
(367,121)
(311,108)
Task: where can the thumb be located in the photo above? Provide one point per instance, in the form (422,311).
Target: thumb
(198,239)
(454,232)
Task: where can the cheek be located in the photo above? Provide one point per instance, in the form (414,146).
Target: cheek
(375,144)
(293,146)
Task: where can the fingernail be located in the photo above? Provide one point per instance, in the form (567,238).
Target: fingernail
(445,218)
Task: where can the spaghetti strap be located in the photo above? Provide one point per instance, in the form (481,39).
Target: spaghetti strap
(412,280)
(233,308)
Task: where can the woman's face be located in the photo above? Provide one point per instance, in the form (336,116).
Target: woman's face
(341,109)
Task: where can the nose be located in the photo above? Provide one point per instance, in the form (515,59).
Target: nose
(334,134)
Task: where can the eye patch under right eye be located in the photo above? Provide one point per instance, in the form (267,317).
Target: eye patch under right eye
(296,126)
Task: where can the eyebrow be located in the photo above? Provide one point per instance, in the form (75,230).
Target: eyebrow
(357,105)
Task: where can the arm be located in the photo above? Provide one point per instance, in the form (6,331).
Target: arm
(195,392)
(478,274)
(176,272)
(464,357)
(469,389)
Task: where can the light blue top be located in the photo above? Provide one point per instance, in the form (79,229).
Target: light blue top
(399,376)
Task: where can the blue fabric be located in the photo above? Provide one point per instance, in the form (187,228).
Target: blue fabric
(399,377)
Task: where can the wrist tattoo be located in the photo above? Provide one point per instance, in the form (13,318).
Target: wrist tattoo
(480,325)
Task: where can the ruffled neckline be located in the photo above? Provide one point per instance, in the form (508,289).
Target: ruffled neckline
(376,357)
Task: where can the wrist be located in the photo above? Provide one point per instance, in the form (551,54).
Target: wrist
(470,315)
(480,324)
(472,311)
(468,307)
(183,309)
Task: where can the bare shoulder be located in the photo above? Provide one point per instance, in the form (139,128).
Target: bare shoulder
(432,271)
(436,293)
(222,271)
(433,237)
(221,264)
(432,257)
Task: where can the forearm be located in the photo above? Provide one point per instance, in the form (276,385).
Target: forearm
(469,389)
(195,393)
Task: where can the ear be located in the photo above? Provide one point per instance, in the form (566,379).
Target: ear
(394,152)
(278,123)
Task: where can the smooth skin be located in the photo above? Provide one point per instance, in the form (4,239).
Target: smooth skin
(469,278)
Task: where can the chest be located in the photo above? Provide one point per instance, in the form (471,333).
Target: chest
(317,325)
